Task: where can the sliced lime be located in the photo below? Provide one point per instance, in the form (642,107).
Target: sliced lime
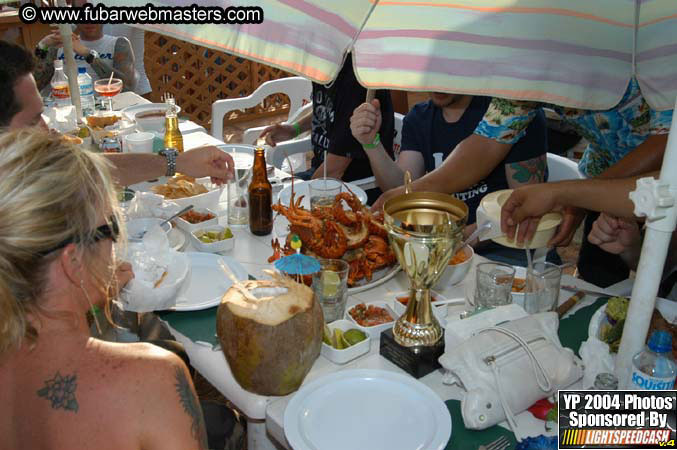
(326,335)
(338,339)
(354,336)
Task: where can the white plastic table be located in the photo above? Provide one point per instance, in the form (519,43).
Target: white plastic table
(265,415)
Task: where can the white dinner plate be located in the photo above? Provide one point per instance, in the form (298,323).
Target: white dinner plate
(207,282)
(131,111)
(366,409)
(301,188)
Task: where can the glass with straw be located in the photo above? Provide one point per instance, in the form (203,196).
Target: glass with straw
(108,88)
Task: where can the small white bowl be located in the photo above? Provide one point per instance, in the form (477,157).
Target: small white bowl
(440,311)
(347,354)
(455,273)
(374,331)
(223,245)
(137,226)
(190,227)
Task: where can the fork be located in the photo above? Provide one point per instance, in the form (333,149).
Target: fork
(499,444)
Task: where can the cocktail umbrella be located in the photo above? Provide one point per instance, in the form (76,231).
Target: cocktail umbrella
(576,53)
(297,264)
(70,67)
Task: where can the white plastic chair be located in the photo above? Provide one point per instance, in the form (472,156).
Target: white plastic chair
(561,168)
(298,89)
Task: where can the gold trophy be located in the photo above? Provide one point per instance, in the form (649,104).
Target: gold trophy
(424,229)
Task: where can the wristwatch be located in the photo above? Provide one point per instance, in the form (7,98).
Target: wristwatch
(170,154)
(93,54)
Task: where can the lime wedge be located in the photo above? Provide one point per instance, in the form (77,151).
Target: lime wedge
(326,336)
(354,336)
(330,283)
(338,339)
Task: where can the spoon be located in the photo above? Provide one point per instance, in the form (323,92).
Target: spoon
(183,211)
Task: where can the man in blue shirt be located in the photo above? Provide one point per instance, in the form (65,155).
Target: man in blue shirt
(430,134)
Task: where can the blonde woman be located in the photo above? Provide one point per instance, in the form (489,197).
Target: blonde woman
(59,387)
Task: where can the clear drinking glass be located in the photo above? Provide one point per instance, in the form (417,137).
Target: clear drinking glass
(238,198)
(330,285)
(493,285)
(108,88)
(542,287)
(323,192)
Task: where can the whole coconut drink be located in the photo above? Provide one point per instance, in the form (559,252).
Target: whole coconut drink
(270,333)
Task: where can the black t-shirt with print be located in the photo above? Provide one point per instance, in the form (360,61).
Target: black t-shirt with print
(425,130)
(333,105)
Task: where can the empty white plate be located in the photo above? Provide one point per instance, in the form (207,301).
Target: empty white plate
(366,409)
(207,282)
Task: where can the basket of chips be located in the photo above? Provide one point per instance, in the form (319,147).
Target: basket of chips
(185,190)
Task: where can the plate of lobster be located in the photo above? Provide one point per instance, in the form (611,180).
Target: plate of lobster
(346,229)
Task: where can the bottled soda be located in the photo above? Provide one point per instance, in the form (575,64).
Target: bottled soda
(654,367)
(260,197)
(60,91)
(86,88)
(173,138)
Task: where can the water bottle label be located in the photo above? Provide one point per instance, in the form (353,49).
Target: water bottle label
(86,89)
(640,380)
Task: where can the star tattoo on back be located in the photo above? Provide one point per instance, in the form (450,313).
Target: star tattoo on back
(60,391)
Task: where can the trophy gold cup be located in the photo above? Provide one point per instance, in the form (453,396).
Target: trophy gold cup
(424,230)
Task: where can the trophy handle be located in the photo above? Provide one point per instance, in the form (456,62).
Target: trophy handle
(407,182)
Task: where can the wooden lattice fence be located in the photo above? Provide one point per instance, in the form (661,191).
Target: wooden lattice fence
(197,76)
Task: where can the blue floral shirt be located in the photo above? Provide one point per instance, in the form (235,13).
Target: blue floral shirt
(611,134)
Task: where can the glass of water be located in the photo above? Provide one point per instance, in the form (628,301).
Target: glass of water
(238,198)
(330,285)
(542,287)
(493,285)
(323,192)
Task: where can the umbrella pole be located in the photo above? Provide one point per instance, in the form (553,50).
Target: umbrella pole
(653,199)
(70,66)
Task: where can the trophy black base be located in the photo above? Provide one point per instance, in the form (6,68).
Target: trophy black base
(416,361)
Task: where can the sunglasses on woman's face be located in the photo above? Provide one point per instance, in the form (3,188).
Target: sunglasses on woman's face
(106,231)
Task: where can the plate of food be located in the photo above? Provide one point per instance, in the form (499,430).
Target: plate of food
(374,409)
(355,235)
(207,282)
(185,190)
(607,322)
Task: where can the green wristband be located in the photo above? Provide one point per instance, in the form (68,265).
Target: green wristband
(374,143)
(297,128)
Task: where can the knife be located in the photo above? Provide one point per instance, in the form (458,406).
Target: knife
(586,291)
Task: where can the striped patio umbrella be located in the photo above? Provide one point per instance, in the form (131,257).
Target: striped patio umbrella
(578,53)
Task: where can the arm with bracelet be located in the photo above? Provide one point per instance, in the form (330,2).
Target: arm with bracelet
(364,124)
(281,132)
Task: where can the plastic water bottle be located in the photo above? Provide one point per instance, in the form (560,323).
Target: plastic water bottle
(86,87)
(60,91)
(654,367)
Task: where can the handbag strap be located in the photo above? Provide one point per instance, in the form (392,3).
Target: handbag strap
(544,383)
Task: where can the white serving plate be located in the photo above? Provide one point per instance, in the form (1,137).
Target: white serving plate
(207,282)
(366,409)
(667,308)
(131,111)
(301,188)
(378,277)
(347,354)
(374,331)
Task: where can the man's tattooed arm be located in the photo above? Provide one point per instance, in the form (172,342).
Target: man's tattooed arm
(44,68)
(123,64)
(192,408)
(526,172)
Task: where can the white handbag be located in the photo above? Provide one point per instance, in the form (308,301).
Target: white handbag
(506,368)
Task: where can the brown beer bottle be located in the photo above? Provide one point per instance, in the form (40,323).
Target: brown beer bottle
(260,197)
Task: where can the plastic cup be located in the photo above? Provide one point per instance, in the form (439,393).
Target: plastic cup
(139,142)
(542,287)
(493,285)
(323,192)
(330,285)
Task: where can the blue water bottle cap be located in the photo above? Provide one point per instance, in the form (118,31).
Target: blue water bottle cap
(82,70)
(660,341)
